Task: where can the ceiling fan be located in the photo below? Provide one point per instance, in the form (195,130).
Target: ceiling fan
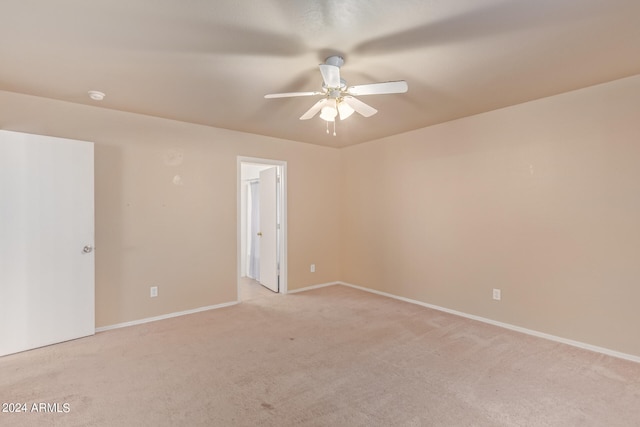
(338,99)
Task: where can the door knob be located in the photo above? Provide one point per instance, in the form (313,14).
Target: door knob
(87,249)
(260,233)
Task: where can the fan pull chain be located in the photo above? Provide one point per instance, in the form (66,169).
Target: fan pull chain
(334,128)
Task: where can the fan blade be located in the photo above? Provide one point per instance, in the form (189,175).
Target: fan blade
(330,75)
(313,110)
(345,110)
(291,94)
(359,106)
(379,88)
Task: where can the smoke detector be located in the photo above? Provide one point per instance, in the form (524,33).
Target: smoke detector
(96,95)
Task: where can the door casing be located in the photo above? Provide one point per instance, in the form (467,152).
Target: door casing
(282,206)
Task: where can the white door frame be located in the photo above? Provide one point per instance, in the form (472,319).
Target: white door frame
(282,165)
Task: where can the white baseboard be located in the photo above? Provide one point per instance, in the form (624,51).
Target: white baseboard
(550,337)
(164,316)
(197,310)
(538,334)
(308,288)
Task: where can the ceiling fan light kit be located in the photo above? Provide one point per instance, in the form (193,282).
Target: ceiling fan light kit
(329,111)
(338,98)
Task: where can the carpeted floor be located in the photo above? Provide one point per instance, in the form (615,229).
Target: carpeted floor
(333,356)
(251,289)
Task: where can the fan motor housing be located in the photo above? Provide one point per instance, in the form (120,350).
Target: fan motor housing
(343,86)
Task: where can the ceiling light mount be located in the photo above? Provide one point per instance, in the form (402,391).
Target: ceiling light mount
(96,95)
(336,61)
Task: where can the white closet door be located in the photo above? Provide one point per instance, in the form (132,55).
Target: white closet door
(46,241)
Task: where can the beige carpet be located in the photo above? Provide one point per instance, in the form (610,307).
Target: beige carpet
(334,356)
(250,289)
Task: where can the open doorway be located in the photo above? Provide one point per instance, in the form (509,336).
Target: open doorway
(261,218)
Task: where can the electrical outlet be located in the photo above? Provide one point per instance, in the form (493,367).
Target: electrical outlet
(313,268)
(497,294)
(154,291)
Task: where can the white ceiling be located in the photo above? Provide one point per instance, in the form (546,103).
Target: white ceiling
(212,61)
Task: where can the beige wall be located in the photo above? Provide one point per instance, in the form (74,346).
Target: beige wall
(541,200)
(182,238)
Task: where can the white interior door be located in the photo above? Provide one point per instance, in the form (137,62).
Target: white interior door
(46,241)
(268,229)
